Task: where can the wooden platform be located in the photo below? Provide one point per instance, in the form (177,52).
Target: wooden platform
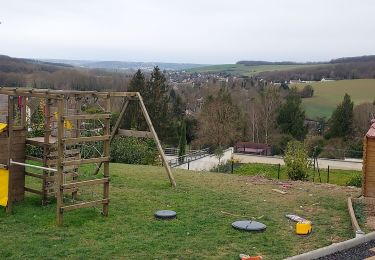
(39,141)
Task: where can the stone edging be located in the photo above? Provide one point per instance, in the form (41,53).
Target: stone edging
(328,250)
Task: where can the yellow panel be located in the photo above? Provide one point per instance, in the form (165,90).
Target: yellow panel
(2,127)
(67,124)
(4,179)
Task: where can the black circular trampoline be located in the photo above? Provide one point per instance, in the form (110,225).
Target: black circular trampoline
(165,214)
(249,225)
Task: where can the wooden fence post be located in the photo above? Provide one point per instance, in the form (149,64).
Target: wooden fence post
(60,153)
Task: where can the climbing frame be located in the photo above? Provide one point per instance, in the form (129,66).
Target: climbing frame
(73,121)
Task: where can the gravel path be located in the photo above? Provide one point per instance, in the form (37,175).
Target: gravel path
(356,253)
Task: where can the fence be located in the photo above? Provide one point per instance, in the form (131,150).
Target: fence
(187,158)
(318,174)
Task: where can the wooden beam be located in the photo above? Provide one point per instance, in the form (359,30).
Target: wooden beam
(353,219)
(35,175)
(85,183)
(69,141)
(87,116)
(85,161)
(84,205)
(134,133)
(34,191)
(39,141)
(156,139)
(57,94)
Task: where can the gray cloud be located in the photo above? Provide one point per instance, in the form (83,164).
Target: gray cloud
(202,31)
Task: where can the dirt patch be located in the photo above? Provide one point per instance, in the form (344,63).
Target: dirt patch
(304,185)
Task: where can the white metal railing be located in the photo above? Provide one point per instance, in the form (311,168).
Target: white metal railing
(33,166)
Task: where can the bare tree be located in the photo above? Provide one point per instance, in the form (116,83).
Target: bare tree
(362,115)
(219,121)
(270,102)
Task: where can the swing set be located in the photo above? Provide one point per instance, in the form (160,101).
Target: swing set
(72,122)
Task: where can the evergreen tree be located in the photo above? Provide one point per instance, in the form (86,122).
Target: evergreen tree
(157,103)
(340,124)
(134,118)
(291,116)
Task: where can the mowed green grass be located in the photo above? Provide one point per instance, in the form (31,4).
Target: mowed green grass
(243,70)
(336,176)
(327,95)
(201,231)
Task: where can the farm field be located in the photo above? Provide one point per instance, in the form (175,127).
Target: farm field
(244,70)
(327,95)
(206,204)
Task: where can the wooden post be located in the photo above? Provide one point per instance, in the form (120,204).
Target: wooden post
(317,166)
(10,143)
(156,139)
(23,111)
(328,174)
(60,152)
(106,151)
(278,171)
(47,133)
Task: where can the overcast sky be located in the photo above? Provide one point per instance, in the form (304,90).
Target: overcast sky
(197,31)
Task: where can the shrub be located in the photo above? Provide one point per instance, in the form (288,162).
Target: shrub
(279,143)
(296,161)
(314,144)
(355,181)
(133,150)
(307,91)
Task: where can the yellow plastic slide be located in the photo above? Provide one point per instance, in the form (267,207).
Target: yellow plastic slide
(2,127)
(4,179)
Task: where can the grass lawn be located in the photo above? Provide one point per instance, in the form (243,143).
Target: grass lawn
(339,177)
(201,229)
(244,70)
(327,95)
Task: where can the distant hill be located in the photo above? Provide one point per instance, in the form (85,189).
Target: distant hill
(242,70)
(361,67)
(368,58)
(259,63)
(9,64)
(125,65)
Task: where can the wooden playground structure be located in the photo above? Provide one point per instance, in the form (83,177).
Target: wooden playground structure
(368,184)
(68,126)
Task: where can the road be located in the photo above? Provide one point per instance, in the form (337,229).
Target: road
(207,163)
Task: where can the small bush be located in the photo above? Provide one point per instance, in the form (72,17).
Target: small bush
(355,181)
(307,91)
(279,143)
(314,144)
(133,150)
(296,161)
